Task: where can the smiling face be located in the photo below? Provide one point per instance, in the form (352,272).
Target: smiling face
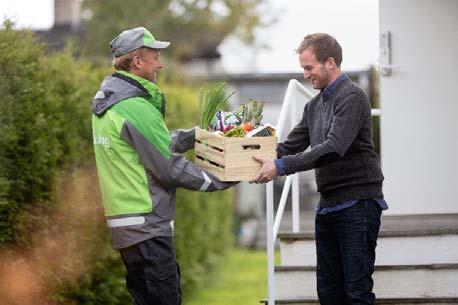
(318,74)
(147,63)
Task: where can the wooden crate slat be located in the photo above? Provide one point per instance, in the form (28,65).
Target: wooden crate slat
(212,169)
(209,153)
(209,138)
(240,160)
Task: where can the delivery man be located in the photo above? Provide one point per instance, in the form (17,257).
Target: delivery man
(139,167)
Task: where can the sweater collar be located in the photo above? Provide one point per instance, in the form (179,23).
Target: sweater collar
(330,89)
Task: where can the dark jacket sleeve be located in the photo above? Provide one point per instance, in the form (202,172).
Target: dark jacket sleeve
(297,140)
(345,125)
(182,140)
(171,172)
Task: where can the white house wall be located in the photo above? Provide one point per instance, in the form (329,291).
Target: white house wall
(419,101)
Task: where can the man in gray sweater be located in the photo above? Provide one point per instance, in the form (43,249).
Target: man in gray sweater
(337,126)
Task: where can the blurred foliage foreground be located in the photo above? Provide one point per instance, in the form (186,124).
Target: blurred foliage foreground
(54,245)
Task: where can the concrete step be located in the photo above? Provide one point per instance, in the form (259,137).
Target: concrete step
(379,301)
(401,281)
(403,240)
(394,225)
(393,248)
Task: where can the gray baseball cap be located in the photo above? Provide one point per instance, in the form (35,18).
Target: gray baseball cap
(133,39)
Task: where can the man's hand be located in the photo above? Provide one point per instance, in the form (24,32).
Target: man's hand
(267,172)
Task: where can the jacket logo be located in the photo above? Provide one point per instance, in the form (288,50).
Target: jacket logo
(100,140)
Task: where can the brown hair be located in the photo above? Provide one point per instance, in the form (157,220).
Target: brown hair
(123,62)
(323,46)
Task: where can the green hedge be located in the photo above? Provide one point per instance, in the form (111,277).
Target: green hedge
(44,109)
(45,138)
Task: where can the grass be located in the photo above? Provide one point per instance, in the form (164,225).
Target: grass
(240,279)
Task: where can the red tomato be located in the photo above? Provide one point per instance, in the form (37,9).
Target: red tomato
(247,127)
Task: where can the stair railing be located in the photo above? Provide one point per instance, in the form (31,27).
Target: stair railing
(289,111)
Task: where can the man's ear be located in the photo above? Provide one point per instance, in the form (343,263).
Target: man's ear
(135,63)
(330,63)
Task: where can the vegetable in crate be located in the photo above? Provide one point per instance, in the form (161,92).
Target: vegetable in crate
(223,119)
(210,101)
(227,128)
(251,112)
(247,127)
(235,132)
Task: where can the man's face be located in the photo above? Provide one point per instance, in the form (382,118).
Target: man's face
(149,64)
(314,72)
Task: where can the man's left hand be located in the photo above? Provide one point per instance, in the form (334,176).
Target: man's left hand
(267,172)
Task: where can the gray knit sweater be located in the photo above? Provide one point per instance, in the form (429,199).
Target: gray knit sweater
(339,131)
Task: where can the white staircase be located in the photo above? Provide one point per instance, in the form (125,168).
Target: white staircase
(417,262)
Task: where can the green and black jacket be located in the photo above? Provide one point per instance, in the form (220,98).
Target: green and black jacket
(138,160)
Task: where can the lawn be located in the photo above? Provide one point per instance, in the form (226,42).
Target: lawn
(240,279)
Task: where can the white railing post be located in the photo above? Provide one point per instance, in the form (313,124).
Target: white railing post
(295,203)
(270,242)
(295,183)
(281,206)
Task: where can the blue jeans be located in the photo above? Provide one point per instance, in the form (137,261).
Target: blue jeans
(345,248)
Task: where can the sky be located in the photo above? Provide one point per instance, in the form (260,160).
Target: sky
(354,23)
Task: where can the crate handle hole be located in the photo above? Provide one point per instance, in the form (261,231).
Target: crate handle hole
(254,146)
(209,162)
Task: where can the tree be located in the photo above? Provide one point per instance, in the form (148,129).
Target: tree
(195,27)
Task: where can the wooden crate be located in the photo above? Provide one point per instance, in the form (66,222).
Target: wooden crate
(231,159)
